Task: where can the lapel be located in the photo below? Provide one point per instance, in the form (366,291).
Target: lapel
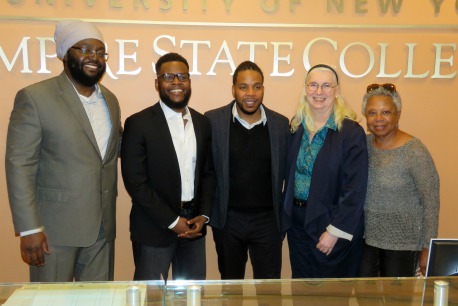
(224,125)
(293,152)
(165,141)
(198,133)
(73,102)
(274,145)
(115,133)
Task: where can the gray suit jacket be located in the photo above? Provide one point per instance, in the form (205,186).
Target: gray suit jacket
(55,174)
(220,120)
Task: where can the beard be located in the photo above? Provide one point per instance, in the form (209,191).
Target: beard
(76,70)
(173,104)
(246,111)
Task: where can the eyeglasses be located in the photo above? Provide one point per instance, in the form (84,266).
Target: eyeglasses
(388,86)
(325,87)
(170,77)
(91,53)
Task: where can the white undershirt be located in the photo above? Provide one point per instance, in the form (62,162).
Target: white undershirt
(99,116)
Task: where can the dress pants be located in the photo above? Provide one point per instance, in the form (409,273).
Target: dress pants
(253,233)
(378,262)
(308,262)
(187,257)
(67,264)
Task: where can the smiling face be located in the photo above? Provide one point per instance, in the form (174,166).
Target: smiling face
(85,70)
(319,100)
(248,92)
(382,116)
(175,94)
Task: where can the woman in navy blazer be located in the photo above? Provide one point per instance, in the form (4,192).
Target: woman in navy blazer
(326,180)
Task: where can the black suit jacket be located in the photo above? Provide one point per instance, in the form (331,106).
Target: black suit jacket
(152,175)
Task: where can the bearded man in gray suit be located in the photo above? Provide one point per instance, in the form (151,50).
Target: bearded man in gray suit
(61,164)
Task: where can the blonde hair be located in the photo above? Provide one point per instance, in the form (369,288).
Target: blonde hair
(304,114)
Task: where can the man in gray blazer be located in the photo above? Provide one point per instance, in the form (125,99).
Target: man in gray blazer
(61,164)
(249,144)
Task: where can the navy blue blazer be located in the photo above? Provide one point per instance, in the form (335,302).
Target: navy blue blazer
(220,120)
(339,181)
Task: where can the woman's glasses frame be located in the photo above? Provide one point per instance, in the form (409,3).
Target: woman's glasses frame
(325,87)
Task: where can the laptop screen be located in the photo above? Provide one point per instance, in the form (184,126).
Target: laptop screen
(443,257)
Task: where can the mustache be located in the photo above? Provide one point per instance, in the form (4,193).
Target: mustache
(92,62)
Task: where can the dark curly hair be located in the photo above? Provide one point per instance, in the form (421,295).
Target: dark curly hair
(170,57)
(246,65)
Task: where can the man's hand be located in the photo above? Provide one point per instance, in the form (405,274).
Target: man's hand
(326,243)
(181,227)
(33,248)
(195,224)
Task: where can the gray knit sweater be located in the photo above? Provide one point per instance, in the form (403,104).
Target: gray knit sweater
(402,201)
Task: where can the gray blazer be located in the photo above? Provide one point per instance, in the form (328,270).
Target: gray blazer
(55,174)
(220,120)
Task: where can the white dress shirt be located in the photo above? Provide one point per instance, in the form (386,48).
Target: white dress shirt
(245,124)
(184,141)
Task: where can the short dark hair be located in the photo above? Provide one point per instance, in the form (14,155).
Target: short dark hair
(246,65)
(170,57)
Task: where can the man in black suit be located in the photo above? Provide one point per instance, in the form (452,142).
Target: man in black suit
(249,151)
(167,170)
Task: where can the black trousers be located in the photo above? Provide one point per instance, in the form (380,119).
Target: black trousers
(378,262)
(386,263)
(245,233)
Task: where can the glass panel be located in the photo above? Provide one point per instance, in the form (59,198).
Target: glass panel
(320,292)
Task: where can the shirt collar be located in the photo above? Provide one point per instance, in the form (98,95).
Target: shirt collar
(96,94)
(169,113)
(330,124)
(263,119)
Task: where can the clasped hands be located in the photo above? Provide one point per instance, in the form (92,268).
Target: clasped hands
(190,228)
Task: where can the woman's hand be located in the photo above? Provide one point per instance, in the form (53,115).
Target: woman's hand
(423,260)
(326,243)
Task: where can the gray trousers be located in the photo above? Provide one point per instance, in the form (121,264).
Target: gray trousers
(186,256)
(67,264)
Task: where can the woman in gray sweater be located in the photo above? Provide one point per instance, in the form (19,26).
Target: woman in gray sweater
(402,201)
